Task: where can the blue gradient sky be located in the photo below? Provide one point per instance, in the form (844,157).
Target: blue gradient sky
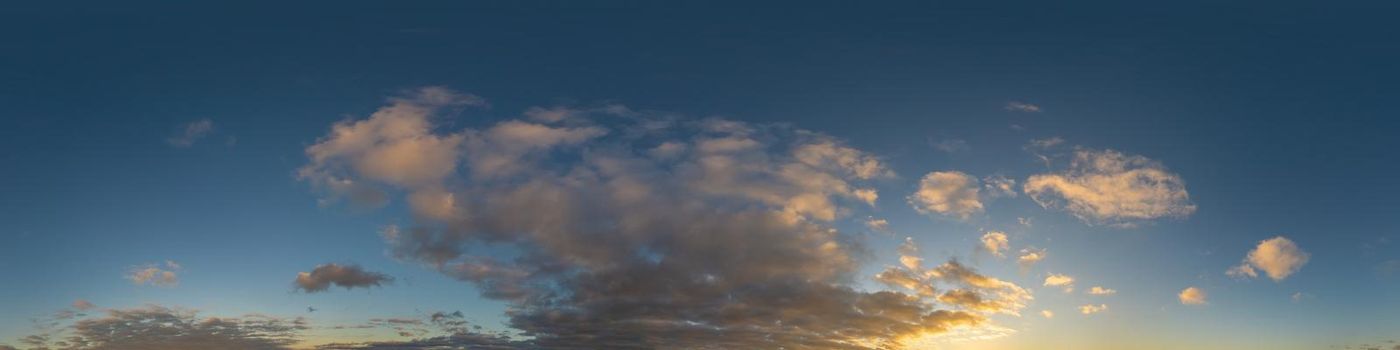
(1279,118)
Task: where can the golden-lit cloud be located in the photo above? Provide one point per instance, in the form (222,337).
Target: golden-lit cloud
(718,233)
(1047,313)
(1030,256)
(995,242)
(1098,290)
(950,193)
(1278,257)
(1060,281)
(1089,309)
(1108,187)
(877,225)
(1192,296)
(162,275)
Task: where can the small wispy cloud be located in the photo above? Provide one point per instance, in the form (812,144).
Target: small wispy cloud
(1016,106)
(190,133)
(160,275)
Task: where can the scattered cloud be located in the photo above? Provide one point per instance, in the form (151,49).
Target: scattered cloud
(1097,290)
(951,145)
(1108,187)
(1192,296)
(1047,313)
(1061,281)
(154,327)
(190,133)
(1300,297)
(877,225)
(155,274)
(1090,309)
(995,242)
(1278,257)
(83,305)
(344,276)
(726,240)
(948,193)
(1030,256)
(999,186)
(1016,106)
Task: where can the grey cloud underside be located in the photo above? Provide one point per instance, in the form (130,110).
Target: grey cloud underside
(160,328)
(346,276)
(721,241)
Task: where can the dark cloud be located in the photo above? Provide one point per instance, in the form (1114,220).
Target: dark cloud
(643,234)
(160,328)
(345,276)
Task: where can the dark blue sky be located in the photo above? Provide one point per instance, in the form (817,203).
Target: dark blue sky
(1279,117)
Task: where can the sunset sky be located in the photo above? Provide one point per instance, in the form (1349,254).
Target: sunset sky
(699,175)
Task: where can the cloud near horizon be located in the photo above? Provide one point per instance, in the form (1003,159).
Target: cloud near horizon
(633,230)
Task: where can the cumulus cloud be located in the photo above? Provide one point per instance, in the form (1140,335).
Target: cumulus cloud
(1089,309)
(154,327)
(1030,256)
(155,274)
(1098,290)
(191,133)
(1108,187)
(724,239)
(1278,257)
(995,242)
(1061,281)
(1192,296)
(949,193)
(1016,106)
(345,276)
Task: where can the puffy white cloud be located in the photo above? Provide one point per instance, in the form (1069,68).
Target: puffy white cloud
(1192,296)
(995,242)
(1098,290)
(191,133)
(155,274)
(1062,281)
(949,193)
(1108,187)
(1089,309)
(1278,257)
(345,276)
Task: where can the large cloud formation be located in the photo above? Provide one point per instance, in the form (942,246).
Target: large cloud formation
(154,327)
(345,276)
(1108,187)
(1279,257)
(611,228)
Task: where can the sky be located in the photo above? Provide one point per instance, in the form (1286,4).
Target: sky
(549,175)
